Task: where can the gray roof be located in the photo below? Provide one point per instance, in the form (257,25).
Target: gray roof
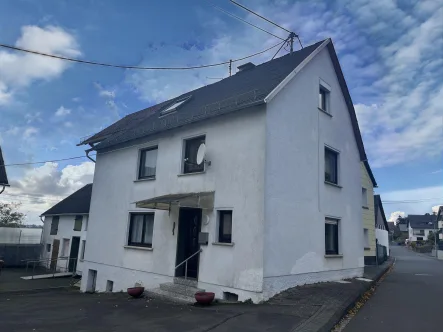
(422,221)
(3,176)
(77,203)
(244,89)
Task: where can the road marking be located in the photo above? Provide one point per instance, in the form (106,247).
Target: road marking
(423,274)
(364,279)
(343,282)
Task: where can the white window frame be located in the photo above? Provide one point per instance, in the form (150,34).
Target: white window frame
(139,159)
(339,241)
(338,165)
(364,197)
(183,156)
(327,89)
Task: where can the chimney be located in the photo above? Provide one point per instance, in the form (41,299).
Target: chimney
(246,66)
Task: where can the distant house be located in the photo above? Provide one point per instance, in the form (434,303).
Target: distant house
(64,232)
(402,224)
(419,226)
(3,176)
(381,224)
(367,191)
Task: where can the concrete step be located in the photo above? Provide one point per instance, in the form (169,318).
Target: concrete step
(163,295)
(180,289)
(187,282)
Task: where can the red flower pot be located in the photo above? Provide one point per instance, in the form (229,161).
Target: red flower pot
(136,291)
(204,297)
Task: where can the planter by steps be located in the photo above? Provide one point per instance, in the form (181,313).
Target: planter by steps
(204,298)
(136,292)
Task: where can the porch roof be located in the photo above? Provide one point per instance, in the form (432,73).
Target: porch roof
(201,200)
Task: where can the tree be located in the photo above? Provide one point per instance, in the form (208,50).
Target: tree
(9,216)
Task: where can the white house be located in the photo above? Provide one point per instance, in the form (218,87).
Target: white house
(276,202)
(439,219)
(64,232)
(381,224)
(419,226)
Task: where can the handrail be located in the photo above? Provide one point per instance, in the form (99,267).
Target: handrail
(186,262)
(195,253)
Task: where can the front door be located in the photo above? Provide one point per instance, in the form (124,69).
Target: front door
(189,226)
(54,256)
(73,255)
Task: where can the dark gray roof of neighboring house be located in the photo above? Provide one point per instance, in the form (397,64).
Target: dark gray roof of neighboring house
(244,89)
(76,203)
(422,221)
(379,205)
(391,225)
(3,176)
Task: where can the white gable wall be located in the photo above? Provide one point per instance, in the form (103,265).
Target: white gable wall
(235,145)
(65,232)
(296,198)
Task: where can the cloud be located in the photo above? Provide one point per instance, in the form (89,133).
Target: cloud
(394,215)
(29,132)
(437,171)
(62,111)
(412,201)
(435,208)
(76,99)
(18,70)
(42,187)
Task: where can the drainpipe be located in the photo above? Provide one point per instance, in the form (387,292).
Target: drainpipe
(88,151)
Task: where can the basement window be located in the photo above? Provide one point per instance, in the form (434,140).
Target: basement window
(173,107)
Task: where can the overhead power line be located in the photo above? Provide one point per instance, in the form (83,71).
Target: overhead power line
(42,162)
(264,18)
(15,48)
(244,21)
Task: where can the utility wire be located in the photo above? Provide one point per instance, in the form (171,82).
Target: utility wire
(15,48)
(264,18)
(42,162)
(244,21)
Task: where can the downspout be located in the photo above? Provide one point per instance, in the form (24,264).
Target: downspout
(88,151)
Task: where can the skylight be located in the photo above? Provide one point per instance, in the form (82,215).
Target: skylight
(174,106)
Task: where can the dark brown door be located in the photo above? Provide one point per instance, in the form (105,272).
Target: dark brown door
(73,256)
(54,256)
(189,226)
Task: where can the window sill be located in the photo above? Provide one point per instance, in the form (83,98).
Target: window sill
(195,173)
(224,244)
(139,248)
(147,179)
(334,256)
(365,207)
(326,112)
(333,184)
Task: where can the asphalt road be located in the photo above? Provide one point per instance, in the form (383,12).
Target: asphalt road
(409,299)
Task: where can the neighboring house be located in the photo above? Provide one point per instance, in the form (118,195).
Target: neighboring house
(402,224)
(3,176)
(276,202)
(439,219)
(64,232)
(419,226)
(367,192)
(381,224)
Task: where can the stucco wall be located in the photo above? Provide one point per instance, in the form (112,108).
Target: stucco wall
(297,200)
(235,145)
(65,231)
(368,211)
(383,238)
(413,238)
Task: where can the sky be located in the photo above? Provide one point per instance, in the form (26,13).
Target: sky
(390,53)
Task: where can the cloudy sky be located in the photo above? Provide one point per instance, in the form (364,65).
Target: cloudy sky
(390,52)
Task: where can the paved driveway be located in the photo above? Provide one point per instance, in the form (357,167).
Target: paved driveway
(409,299)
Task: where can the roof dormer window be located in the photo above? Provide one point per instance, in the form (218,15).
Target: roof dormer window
(176,104)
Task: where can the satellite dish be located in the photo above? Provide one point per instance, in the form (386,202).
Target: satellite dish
(201,153)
